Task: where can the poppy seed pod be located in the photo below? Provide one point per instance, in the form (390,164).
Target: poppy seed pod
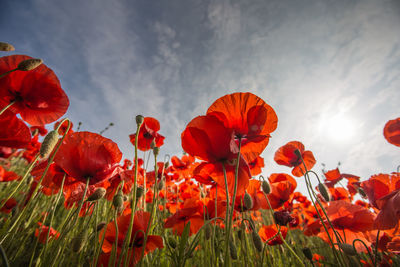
(156,150)
(48,144)
(324,192)
(97,194)
(307,252)
(6,47)
(79,241)
(232,250)
(348,249)
(266,187)
(247,201)
(100,226)
(29,64)
(118,201)
(139,119)
(257,241)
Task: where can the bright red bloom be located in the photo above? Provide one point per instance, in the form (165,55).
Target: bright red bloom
(392,131)
(148,133)
(14,132)
(84,155)
(267,232)
(42,231)
(282,188)
(6,176)
(380,185)
(37,93)
(389,215)
(38,129)
(250,119)
(140,223)
(285,155)
(208,139)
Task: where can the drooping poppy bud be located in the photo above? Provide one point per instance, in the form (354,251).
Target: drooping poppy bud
(100,226)
(172,242)
(307,252)
(266,187)
(118,201)
(48,144)
(247,201)
(6,47)
(324,192)
(156,151)
(257,241)
(232,250)
(99,193)
(79,241)
(139,192)
(160,184)
(29,64)
(348,249)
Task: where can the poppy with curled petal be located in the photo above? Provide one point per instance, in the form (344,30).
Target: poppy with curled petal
(249,117)
(37,94)
(286,155)
(380,185)
(148,133)
(282,188)
(392,132)
(14,132)
(206,138)
(267,232)
(86,155)
(140,223)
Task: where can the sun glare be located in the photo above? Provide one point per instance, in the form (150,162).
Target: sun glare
(338,128)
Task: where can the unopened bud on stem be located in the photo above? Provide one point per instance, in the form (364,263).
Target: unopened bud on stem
(139,119)
(29,64)
(99,193)
(48,144)
(6,47)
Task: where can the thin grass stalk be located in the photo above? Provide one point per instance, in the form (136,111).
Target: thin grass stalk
(6,107)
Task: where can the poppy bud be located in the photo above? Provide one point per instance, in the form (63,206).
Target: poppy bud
(97,194)
(166,164)
(100,226)
(348,249)
(118,201)
(139,119)
(139,192)
(240,234)
(232,250)
(207,232)
(156,150)
(6,47)
(29,64)
(298,154)
(362,192)
(153,144)
(257,241)
(48,144)
(160,185)
(172,242)
(282,218)
(307,252)
(324,192)
(247,201)
(266,187)
(79,241)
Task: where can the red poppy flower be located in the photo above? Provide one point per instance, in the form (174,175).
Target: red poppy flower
(140,223)
(6,176)
(42,231)
(14,132)
(9,205)
(84,155)
(282,188)
(392,131)
(37,93)
(389,215)
(267,232)
(285,155)
(249,117)
(38,129)
(148,133)
(380,185)
(208,139)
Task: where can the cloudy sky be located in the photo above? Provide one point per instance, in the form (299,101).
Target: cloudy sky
(330,69)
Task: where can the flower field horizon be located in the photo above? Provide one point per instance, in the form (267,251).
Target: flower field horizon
(70,197)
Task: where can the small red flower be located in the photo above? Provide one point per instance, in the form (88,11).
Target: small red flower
(86,155)
(42,231)
(267,232)
(392,132)
(9,205)
(148,133)
(37,93)
(14,132)
(286,155)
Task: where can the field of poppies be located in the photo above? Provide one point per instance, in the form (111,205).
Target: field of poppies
(69,198)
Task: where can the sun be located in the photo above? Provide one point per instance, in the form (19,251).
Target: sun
(338,128)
